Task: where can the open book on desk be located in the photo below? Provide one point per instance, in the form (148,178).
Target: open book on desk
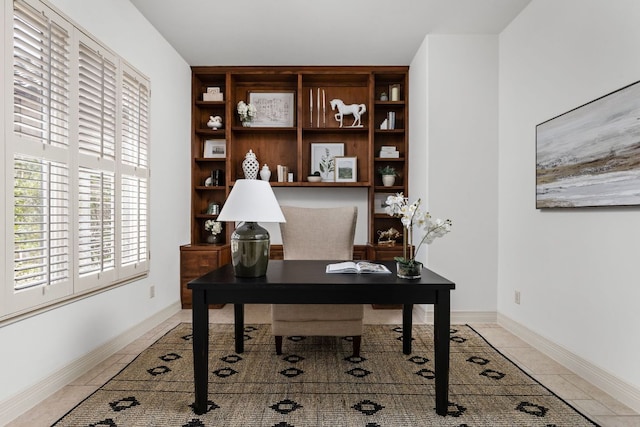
(357,267)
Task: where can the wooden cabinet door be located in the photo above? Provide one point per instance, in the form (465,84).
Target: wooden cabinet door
(196,261)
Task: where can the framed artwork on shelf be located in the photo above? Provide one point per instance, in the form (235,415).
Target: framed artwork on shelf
(380,201)
(323,156)
(588,156)
(214,148)
(273,109)
(346,169)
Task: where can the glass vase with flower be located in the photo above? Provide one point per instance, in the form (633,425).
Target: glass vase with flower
(411,215)
(214,228)
(247,113)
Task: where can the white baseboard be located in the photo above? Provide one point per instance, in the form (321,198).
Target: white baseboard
(612,385)
(20,403)
(462,317)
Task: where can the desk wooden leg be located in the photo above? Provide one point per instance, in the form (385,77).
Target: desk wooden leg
(442,325)
(407,325)
(200,337)
(238,314)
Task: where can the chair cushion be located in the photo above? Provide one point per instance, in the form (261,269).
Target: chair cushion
(320,312)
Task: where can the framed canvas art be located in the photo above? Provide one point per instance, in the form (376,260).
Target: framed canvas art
(590,156)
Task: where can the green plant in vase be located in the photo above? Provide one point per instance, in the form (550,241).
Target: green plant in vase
(388,175)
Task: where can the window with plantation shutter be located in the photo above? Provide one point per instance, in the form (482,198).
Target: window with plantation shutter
(96,222)
(77,156)
(135,172)
(134,220)
(97,101)
(97,117)
(41,223)
(41,76)
(135,121)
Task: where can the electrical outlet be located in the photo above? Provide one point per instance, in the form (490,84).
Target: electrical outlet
(517,297)
(152,291)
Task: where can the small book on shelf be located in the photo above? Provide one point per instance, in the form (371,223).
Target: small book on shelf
(357,267)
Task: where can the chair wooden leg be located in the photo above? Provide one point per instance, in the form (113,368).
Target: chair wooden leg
(357,340)
(278,344)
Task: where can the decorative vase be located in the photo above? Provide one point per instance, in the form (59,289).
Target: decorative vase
(409,271)
(250,165)
(388,180)
(265,173)
(213,238)
(246,124)
(215,122)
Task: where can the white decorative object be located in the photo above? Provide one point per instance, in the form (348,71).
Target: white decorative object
(388,180)
(250,165)
(384,125)
(265,173)
(215,122)
(356,109)
(247,113)
(395,93)
(213,94)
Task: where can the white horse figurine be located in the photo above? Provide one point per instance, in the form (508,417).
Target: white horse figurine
(356,109)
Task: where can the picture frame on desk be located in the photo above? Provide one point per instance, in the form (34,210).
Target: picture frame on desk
(274,109)
(215,149)
(346,169)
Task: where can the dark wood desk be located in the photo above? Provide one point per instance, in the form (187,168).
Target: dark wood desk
(305,282)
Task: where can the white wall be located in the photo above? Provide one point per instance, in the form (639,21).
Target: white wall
(454,162)
(41,345)
(576,269)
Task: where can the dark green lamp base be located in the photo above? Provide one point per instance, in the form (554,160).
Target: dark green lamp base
(250,250)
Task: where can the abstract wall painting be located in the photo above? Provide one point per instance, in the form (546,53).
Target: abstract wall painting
(590,156)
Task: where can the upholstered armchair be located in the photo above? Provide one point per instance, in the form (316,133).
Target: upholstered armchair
(324,234)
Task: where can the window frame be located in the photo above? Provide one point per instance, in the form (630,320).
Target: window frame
(102,205)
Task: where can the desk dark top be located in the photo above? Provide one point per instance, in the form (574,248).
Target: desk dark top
(313,285)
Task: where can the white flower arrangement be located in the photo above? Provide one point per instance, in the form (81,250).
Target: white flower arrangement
(246,111)
(213,227)
(398,206)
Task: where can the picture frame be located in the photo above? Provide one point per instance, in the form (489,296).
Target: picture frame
(323,158)
(273,109)
(589,156)
(215,149)
(346,169)
(379,200)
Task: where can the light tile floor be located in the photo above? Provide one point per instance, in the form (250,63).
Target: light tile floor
(601,407)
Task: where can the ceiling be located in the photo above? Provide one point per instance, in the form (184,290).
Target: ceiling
(317,32)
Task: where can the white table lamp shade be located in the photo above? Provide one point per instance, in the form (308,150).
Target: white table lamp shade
(251,200)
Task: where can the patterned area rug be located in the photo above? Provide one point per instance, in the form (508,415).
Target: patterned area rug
(316,383)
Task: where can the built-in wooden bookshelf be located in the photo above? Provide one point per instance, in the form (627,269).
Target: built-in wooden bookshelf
(313,122)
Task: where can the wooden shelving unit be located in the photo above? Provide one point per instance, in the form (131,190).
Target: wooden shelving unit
(291,146)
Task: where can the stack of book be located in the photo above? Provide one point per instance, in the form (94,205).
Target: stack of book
(389,122)
(283,174)
(389,152)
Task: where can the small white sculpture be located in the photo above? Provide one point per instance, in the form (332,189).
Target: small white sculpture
(265,173)
(215,122)
(356,109)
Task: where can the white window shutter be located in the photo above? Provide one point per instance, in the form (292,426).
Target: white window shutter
(97,101)
(41,77)
(41,223)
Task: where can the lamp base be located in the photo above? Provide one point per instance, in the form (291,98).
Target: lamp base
(250,250)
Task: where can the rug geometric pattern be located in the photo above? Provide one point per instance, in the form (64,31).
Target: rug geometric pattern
(315,382)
